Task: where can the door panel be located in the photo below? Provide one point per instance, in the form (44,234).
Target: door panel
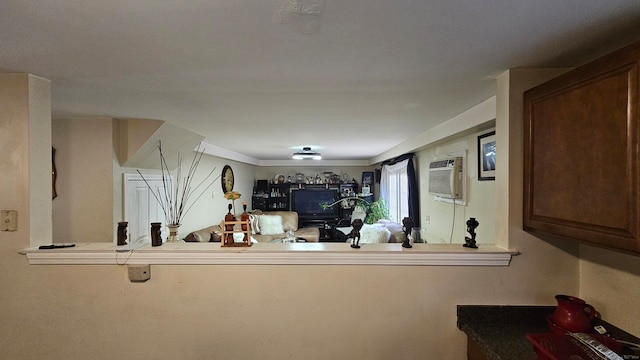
(140,206)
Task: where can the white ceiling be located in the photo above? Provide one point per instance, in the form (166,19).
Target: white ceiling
(350,78)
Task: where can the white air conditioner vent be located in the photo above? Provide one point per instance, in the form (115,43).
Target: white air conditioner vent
(445,178)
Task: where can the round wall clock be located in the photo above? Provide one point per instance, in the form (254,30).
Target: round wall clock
(227,179)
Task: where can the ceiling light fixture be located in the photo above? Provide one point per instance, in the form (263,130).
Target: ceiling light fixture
(307,153)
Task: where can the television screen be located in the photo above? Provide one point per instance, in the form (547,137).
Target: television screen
(307,203)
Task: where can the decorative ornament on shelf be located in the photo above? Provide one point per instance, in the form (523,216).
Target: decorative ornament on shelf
(230,223)
(233,196)
(176,197)
(174,235)
(54,174)
(156,234)
(357,224)
(228,228)
(470,242)
(230,218)
(122,233)
(407,224)
(244,218)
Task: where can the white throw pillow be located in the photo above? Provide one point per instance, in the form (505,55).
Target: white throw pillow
(239,237)
(254,221)
(270,224)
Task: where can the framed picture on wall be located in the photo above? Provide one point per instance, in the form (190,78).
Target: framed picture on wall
(367,178)
(487,156)
(367,182)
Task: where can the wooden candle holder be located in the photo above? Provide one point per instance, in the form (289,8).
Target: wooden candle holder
(239,226)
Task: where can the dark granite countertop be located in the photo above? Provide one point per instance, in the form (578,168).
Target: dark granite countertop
(500,330)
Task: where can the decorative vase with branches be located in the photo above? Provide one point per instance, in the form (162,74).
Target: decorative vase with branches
(179,193)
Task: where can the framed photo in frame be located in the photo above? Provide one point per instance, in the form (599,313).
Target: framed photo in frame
(367,182)
(487,156)
(367,178)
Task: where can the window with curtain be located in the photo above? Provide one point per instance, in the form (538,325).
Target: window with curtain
(399,189)
(398,192)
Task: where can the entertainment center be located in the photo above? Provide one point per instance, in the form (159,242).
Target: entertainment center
(308,200)
(308,203)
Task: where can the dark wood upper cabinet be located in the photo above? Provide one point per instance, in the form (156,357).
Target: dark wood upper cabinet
(581,153)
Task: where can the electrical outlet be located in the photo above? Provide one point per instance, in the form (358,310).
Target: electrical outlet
(9,220)
(139,273)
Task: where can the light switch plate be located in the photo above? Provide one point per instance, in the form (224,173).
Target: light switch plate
(9,220)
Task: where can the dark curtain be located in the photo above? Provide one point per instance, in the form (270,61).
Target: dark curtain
(414,196)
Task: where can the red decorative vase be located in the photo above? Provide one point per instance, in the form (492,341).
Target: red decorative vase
(573,314)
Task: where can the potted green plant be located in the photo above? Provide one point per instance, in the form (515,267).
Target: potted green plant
(375,210)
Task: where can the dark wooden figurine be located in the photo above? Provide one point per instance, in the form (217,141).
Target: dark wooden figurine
(228,238)
(122,233)
(245,217)
(470,242)
(407,225)
(355,233)
(156,234)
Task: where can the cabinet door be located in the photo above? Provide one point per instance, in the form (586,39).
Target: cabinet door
(581,153)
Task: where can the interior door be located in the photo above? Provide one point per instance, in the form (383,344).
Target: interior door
(140,206)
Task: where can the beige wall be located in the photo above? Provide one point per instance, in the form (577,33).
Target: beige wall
(268,312)
(25,137)
(480,195)
(14,140)
(83,210)
(611,283)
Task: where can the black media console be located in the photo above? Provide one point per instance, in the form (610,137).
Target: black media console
(325,226)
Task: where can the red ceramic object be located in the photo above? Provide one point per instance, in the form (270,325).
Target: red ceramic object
(555,329)
(572,314)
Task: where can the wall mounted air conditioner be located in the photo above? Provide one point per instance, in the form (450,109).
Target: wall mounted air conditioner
(445,178)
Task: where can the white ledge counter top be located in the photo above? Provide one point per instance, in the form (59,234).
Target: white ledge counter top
(273,254)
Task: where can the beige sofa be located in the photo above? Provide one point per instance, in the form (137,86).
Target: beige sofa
(289,222)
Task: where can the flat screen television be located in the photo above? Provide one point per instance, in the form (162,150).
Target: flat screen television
(307,203)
